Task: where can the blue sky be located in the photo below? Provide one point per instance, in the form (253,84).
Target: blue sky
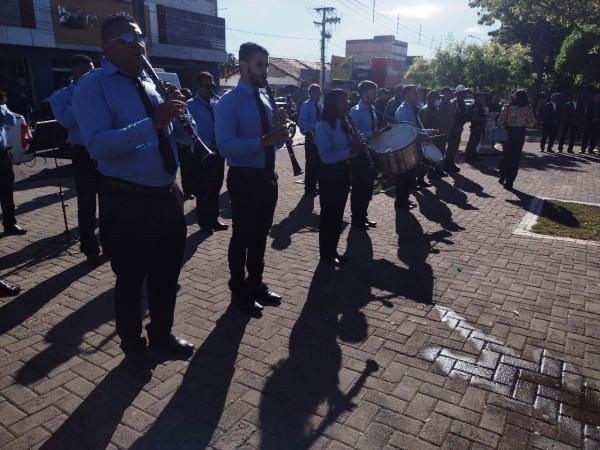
(438,19)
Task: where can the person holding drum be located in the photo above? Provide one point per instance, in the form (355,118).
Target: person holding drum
(336,144)
(429,116)
(362,168)
(459,118)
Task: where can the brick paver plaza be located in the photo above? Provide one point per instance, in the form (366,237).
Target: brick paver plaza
(445,329)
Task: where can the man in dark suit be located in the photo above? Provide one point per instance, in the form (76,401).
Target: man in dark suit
(591,125)
(572,122)
(551,115)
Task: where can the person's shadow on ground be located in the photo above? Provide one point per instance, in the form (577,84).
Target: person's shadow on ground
(300,218)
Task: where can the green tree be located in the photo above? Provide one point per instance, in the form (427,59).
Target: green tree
(579,57)
(421,72)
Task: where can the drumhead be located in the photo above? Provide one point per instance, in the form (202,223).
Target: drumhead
(400,136)
(432,153)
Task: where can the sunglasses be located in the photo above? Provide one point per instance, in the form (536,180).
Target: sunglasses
(130,38)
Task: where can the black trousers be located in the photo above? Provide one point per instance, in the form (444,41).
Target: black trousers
(452,146)
(512,150)
(362,176)
(209,180)
(253,194)
(572,131)
(145,234)
(549,134)
(86,184)
(186,165)
(311,169)
(334,183)
(7,182)
(404,183)
(590,136)
(474,139)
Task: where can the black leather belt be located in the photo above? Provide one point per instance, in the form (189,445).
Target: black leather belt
(116,183)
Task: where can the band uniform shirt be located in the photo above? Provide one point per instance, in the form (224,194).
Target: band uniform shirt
(7,119)
(117,131)
(205,124)
(307,118)
(406,113)
(364,118)
(333,143)
(61,103)
(238,127)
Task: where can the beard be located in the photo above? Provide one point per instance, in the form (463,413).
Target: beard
(258,80)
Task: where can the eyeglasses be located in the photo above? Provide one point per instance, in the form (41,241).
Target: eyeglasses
(131,38)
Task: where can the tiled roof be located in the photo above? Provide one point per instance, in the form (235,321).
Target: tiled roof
(291,67)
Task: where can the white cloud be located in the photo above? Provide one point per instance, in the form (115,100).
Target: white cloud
(474,30)
(419,11)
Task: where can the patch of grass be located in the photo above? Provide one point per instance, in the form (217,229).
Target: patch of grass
(571,220)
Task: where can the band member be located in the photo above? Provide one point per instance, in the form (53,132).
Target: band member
(429,117)
(591,125)
(478,117)
(186,161)
(394,103)
(7,176)
(571,124)
(247,138)
(363,170)
(446,117)
(383,96)
(308,119)
(336,144)
(459,118)
(86,180)
(551,116)
(211,172)
(128,129)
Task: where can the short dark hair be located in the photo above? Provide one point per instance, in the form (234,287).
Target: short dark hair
(204,76)
(111,21)
(186,93)
(79,60)
(248,49)
(366,86)
(313,87)
(407,88)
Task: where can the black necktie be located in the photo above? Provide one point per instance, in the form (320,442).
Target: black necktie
(211,111)
(164,146)
(372,114)
(264,120)
(318,112)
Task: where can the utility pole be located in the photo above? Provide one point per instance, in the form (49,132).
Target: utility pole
(328,16)
(397,23)
(419,34)
(373,11)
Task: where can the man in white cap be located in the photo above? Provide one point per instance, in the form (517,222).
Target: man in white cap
(460,117)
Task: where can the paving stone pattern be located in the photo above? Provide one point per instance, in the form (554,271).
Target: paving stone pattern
(444,330)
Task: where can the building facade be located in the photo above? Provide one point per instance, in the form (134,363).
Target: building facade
(363,51)
(37,38)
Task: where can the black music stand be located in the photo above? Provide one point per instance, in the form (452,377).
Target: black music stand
(50,140)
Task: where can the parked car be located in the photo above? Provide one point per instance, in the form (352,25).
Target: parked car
(18,140)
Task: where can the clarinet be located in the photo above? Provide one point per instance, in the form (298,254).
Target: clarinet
(350,124)
(288,143)
(200,148)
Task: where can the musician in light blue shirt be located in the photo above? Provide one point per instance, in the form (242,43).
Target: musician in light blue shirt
(129,128)
(209,174)
(363,171)
(86,179)
(308,119)
(247,137)
(336,144)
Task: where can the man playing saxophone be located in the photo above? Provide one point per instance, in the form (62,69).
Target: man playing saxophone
(128,128)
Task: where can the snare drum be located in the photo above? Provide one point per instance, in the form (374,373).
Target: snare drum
(431,154)
(397,150)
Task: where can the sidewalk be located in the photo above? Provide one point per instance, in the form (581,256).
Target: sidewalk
(445,329)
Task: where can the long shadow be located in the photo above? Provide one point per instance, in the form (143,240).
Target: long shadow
(193,412)
(29,302)
(449,194)
(191,245)
(435,210)
(466,185)
(559,214)
(46,177)
(92,425)
(44,201)
(224,209)
(299,218)
(66,337)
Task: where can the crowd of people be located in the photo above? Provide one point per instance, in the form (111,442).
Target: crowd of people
(127,144)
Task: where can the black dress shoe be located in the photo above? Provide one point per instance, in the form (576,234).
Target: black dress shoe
(206,230)
(14,230)
(405,205)
(95,260)
(501,180)
(266,297)
(371,223)
(508,186)
(189,197)
(173,344)
(550,151)
(331,261)
(8,289)
(361,225)
(422,183)
(342,258)
(570,150)
(218,226)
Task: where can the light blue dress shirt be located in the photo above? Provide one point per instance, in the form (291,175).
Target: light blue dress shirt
(7,119)
(198,108)
(361,115)
(333,143)
(307,118)
(117,131)
(406,113)
(61,103)
(238,128)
